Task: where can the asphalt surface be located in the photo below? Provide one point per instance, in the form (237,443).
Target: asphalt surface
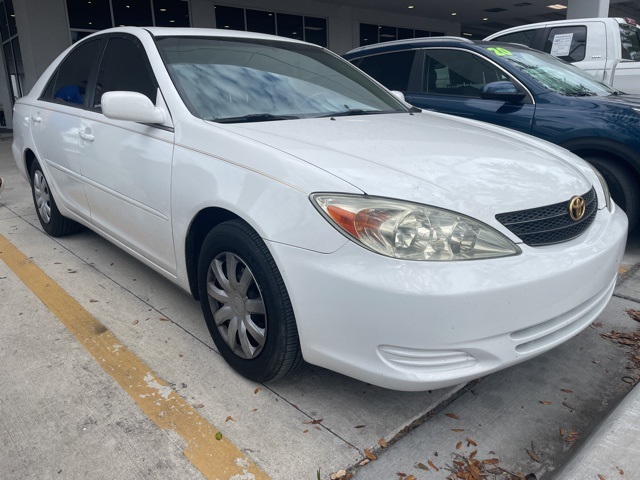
(64,415)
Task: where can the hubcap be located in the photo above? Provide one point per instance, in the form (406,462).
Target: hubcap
(42,196)
(237,305)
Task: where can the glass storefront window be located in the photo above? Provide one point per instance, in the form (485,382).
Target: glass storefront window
(94,15)
(87,17)
(231,18)
(132,13)
(290,26)
(11,17)
(315,30)
(4,24)
(261,21)
(370,34)
(309,29)
(171,13)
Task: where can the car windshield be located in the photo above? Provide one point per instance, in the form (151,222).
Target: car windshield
(554,74)
(248,80)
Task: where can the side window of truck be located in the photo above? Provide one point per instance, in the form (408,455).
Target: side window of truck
(525,37)
(568,43)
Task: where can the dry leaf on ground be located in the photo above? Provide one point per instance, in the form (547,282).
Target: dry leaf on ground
(535,457)
(370,455)
(635,314)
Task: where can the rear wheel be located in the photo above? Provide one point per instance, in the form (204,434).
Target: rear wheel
(622,185)
(50,217)
(246,305)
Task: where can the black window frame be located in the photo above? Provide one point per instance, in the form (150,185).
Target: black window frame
(147,64)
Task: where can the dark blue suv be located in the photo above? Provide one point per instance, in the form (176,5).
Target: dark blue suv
(523,89)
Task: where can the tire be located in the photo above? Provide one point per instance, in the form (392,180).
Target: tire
(246,305)
(623,186)
(50,217)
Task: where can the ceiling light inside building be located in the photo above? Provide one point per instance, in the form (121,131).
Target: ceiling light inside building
(557,6)
(454,14)
(485,19)
(410,6)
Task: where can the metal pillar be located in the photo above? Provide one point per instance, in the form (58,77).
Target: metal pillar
(587,8)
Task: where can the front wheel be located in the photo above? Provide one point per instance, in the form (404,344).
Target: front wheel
(246,305)
(49,216)
(622,185)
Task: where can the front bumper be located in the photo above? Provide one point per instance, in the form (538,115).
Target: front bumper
(410,325)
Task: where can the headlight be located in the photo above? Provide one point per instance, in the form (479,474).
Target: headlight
(410,231)
(605,187)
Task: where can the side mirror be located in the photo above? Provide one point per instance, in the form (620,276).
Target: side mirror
(131,106)
(502,90)
(398,95)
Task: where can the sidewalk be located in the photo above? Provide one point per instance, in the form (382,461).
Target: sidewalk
(614,447)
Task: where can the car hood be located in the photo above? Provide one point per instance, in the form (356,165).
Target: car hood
(432,159)
(624,100)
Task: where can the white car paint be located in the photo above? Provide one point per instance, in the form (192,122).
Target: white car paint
(408,325)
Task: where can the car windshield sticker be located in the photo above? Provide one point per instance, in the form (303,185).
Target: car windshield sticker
(561,44)
(501,52)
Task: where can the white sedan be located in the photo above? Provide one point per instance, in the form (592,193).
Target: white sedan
(314,214)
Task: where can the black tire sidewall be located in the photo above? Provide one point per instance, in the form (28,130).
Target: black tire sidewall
(50,226)
(237,238)
(622,184)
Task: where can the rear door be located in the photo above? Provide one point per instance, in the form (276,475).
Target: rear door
(55,124)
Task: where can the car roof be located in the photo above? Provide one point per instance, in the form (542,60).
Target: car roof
(573,21)
(199,32)
(409,43)
(412,43)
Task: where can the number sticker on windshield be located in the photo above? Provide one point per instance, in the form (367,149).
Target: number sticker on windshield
(501,52)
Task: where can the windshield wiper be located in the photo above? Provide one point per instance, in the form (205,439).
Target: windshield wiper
(582,94)
(252,117)
(356,111)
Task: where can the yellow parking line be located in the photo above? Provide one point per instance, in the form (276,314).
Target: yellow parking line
(216,458)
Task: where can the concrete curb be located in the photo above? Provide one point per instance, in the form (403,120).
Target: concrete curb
(614,447)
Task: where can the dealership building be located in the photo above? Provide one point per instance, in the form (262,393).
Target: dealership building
(34,32)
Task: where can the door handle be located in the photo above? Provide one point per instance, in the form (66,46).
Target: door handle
(36,118)
(86,135)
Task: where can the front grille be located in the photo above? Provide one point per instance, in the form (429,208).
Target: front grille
(550,224)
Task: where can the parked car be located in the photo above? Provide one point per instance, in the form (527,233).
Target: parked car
(315,215)
(607,48)
(523,89)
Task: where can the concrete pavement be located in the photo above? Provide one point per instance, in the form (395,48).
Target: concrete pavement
(63,416)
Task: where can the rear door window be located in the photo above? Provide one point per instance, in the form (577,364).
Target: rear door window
(390,69)
(630,39)
(568,43)
(69,84)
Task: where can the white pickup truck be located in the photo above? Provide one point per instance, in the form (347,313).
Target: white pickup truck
(608,48)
